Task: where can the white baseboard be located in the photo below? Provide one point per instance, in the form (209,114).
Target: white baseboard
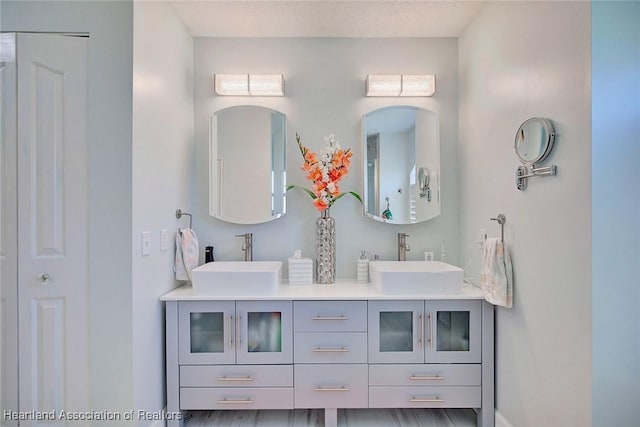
(501,421)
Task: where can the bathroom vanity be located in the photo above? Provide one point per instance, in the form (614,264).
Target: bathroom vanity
(345,345)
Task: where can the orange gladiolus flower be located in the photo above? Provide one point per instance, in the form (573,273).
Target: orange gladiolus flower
(320,204)
(325,171)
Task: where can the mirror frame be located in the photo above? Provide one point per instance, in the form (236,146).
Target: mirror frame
(549,130)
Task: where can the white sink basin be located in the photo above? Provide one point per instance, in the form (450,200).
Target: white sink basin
(415,277)
(237,278)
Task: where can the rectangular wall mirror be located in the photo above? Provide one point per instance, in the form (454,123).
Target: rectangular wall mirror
(401,153)
(247,164)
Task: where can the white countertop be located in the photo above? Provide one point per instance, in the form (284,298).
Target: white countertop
(347,289)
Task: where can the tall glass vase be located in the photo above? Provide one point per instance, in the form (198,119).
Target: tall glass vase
(325,248)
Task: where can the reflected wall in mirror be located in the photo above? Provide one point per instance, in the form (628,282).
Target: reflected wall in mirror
(247,164)
(401,153)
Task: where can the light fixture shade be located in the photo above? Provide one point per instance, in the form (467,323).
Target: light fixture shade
(383,85)
(400,85)
(266,84)
(418,85)
(231,84)
(249,84)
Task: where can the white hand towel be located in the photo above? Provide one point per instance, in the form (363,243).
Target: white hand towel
(187,253)
(496,274)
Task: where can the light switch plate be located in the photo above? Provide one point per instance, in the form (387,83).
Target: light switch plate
(146,243)
(164,239)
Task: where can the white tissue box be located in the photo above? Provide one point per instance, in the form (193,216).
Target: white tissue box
(300,271)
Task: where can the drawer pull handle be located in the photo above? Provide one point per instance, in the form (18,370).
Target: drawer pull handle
(343,388)
(423,400)
(234,401)
(330,350)
(341,317)
(426,377)
(225,378)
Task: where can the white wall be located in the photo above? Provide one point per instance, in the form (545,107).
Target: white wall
(162,159)
(519,60)
(616,203)
(109,155)
(324,95)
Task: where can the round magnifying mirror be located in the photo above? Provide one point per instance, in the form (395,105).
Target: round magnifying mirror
(534,140)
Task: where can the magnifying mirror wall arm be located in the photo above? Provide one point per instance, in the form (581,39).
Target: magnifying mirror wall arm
(522,174)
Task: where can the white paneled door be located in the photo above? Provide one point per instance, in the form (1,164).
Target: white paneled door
(52,224)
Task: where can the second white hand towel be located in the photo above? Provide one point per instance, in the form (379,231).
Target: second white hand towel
(496,274)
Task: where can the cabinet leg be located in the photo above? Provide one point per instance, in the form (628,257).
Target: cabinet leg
(330,417)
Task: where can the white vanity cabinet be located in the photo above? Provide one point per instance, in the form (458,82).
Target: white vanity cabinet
(330,356)
(429,331)
(230,355)
(332,347)
(425,354)
(230,332)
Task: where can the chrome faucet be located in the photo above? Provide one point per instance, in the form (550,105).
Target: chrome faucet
(403,246)
(247,247)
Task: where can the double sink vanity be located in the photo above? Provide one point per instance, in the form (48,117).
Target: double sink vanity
(414,337)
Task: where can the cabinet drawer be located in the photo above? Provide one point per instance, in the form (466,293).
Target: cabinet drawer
(330,316)
(236,398)
(331,386)
(420,375)
(425,397)
(237,376)
(330,347)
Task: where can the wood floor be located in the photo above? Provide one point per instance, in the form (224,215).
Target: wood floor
(346,418)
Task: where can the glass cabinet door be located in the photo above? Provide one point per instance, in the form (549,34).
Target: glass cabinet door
(453,331)
(265,332)
(206,332)
(396,331)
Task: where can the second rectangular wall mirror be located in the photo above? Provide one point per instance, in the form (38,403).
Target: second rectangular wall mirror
(401,153)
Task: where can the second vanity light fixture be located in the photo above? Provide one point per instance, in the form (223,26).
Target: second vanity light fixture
(249,84)
(400,85)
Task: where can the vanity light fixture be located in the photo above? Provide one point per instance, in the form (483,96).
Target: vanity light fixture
(400,85)
(249,84)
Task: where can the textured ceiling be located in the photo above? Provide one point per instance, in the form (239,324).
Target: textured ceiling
(329,18)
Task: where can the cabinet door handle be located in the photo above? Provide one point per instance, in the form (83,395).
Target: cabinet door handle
(230,331)
(430,338)
(330,350)
(341,317)
(226,401)
(342,388)
(246,378)
(426,377)
(239,332)
(421,321)
(426,400)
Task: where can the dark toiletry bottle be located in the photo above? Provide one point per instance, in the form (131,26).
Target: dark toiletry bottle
(208,254)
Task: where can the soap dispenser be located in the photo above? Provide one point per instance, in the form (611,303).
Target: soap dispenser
(443,253)
(208,254)
(362,273)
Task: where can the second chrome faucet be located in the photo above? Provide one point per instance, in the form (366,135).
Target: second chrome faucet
(247,246)
(403,246)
